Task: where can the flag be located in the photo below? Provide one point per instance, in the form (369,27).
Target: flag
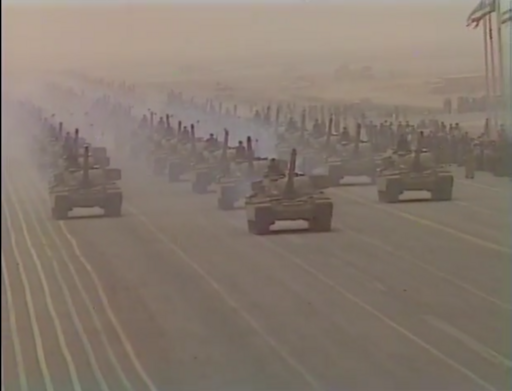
(506,16)
(482,9)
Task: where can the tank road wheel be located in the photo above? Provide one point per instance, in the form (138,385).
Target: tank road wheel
(335,179)
(60,208)
(392,193)
(113,208)
(443,191)
(224,203)
(389,196)
(393,196)
(258,227)
(322,221)
(382,196)
(227,199)
(262,222)
(202,182)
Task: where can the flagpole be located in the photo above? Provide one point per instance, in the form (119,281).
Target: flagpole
(493,68)
(497,12)
(485,29)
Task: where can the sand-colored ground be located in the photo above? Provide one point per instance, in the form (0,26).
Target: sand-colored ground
(272,52)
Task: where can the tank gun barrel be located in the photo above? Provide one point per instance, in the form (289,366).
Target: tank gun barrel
(225,143)
(250,149)
(329,132)
(278,115)
(151,119)
(358,138)
(416,163)
(85,178)
(250,155)
(289,188)
(75,141)
(224,156)
(193,138)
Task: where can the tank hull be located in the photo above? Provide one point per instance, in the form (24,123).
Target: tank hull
(261,215)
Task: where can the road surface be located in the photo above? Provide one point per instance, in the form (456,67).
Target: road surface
(176,295)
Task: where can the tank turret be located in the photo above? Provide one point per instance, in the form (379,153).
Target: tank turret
(151,119)
(278,115)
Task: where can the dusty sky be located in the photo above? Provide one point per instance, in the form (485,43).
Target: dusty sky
(156,38)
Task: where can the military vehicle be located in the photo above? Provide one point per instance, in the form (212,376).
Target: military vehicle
(349,159)
(413,171)
(292,197)
(179,161)
(161,155)
(86,186)
(499,158)
(206,163)
(236,176)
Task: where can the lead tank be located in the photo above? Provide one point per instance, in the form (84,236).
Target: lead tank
(86,187)
(292,198)
(413,171)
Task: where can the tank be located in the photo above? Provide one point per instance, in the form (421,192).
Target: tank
(86,187)
(413,171)
(355,159)
(179,161)
(293,197)
(161,154)
(498,159)
(236,175)
(207,164)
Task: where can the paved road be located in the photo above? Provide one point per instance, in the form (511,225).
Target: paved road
(176,295)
